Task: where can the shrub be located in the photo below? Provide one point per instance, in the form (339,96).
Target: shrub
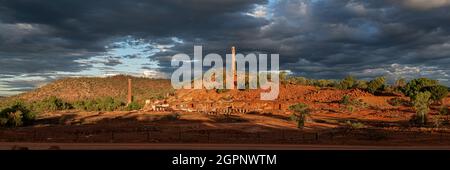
(100,104)
(400,83)
(375,84)
(415,86)
(444,110)
(51,104)
(361,84)
(301,110)
(283,77)
(421,104)
(438,92)
(221,90)
(133,106)
(351,109)
(345,100)
(323,83)
(16,114)
(108,104)
(347,83)
(396,101)
(300,81)
(355,125)
(3,121)
(15,118)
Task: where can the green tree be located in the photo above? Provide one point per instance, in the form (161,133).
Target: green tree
(301,110)
(438,92)
(415,86)
(421,106)
(376,84)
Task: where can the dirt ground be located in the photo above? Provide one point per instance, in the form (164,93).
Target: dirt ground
(371,121)
(381,128)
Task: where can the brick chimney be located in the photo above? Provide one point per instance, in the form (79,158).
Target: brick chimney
(130,97)
(233,65)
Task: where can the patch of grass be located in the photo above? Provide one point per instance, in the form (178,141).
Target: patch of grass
(133,106)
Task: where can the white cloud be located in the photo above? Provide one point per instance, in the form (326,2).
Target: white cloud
(260,11)
(13,33)
(356,7)
(396,71)
(425,4)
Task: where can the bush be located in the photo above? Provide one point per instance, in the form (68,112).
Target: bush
(375,84)
(361,84)
(3,121)
(100,104)
(400,83)
(415,86)
(421,104)
(300,81)
(444,110)
(396,101)
(351,109)
(133,106)
(323,83)
(108,104)
(347,83)
(15,118)
(16,114)
(283,77)
(438,92)
(345,100)
(221,90)
(355,125)
(301,110)
(51,104)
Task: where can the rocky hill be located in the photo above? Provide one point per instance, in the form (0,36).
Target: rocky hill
(74,89)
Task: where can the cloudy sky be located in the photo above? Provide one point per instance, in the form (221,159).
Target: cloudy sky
(42,40)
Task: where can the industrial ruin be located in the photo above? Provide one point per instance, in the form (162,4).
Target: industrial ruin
(233,101)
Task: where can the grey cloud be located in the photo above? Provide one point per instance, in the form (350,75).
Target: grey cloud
(315,38)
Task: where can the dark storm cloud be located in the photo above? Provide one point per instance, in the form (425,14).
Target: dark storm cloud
(315,38)
(44,25)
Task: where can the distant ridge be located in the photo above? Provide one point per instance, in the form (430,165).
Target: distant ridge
(74,89)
